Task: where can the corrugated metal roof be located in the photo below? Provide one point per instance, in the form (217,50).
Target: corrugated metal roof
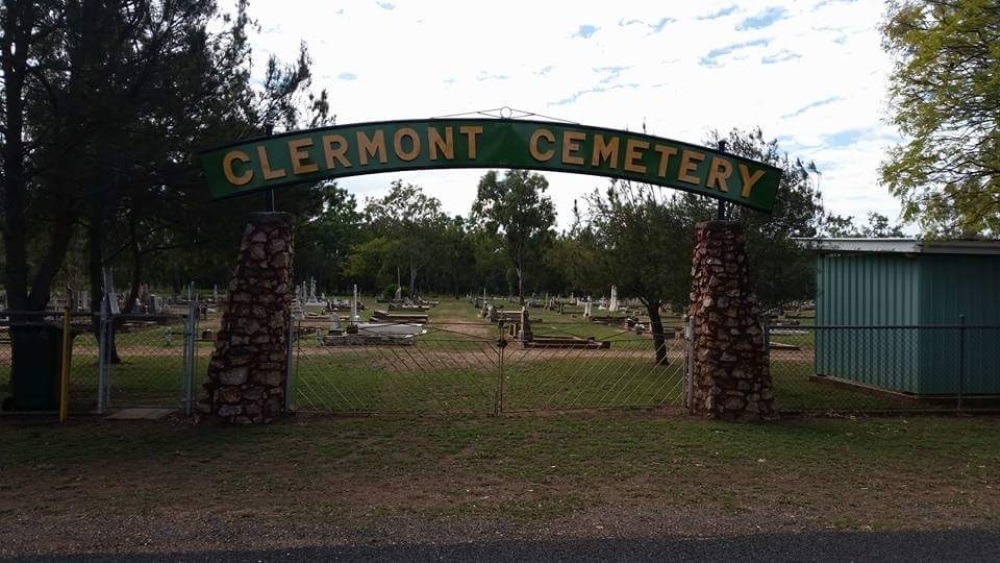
(904,245)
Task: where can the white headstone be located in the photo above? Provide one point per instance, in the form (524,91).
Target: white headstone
(354,306)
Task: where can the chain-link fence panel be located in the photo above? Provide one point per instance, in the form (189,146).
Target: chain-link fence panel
(870,369)
(146,361)
(394,367)
(561,363)
(35,342)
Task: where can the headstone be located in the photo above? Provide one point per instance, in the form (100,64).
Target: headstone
(354,307)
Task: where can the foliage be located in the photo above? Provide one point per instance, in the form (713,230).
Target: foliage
(878,226)
(104,105)
(642,238)
(406,228)
(945,91)
(517,213)
(781,264)
(642,244)
(323,242)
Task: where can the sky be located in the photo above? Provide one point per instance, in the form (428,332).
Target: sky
(809,73)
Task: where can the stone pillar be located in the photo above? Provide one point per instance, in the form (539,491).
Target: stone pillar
(246,376)
(731,373)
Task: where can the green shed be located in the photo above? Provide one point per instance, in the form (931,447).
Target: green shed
(916,317)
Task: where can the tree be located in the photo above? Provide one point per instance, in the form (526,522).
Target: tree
(323,241)
(104,104)
(643,236)
(781,264)
(946,104)
(878,226)
(516,211)
(643,246)
(408,222)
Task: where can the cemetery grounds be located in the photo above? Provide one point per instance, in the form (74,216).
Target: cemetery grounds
(567,465)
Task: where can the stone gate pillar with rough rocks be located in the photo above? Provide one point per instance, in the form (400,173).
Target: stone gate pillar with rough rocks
(731,376)
(246,376)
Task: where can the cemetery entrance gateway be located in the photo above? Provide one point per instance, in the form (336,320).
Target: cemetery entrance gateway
(731,378)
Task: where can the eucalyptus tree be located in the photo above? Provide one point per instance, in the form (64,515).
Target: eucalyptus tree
(517,213)
(643,236)
(642,244)
(405,227)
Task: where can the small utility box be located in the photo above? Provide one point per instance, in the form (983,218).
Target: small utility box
(36,349)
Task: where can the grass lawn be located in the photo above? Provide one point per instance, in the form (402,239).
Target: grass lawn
(95,485)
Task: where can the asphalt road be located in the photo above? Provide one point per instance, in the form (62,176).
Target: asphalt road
(950,546)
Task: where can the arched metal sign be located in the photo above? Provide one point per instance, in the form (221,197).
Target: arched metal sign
(350,150)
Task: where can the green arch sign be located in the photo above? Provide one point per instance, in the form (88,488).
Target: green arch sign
(350,150)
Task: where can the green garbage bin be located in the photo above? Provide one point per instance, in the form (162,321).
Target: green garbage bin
(36,366)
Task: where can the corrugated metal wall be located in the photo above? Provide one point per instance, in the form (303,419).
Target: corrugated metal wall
(925,291)
(868,290)
(953,285)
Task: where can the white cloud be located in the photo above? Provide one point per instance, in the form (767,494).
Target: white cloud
(423,59)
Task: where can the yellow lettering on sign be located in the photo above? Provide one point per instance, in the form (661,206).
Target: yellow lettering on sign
(470,131)
(633,155)
(748,180)
(665,153)
(444,144)
(689,164)
(372,147)
(299,157)
(397,144)
(540,155)
(265,166)
(335,147)
(718,174)
(605,151)
(571,145)
(231,175)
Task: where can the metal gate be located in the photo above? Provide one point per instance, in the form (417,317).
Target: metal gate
(476,367)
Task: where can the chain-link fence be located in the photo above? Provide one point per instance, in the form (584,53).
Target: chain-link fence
(870,369)
(146,360)
(112,361)
(482,366)
(560,362)
(569,364)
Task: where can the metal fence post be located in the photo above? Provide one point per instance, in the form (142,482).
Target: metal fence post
(102,358)
(961,359)
(767,336)
(501,344)
(67,349)
(190,338)
(289,342)
(689,365)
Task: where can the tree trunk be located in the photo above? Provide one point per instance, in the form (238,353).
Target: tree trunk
(520,282)
(656,326)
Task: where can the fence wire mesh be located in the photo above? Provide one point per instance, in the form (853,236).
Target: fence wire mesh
(441,367)
(559,369)
(484,365)
(146,362)
(843,369)
(462,363)
(40,338)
